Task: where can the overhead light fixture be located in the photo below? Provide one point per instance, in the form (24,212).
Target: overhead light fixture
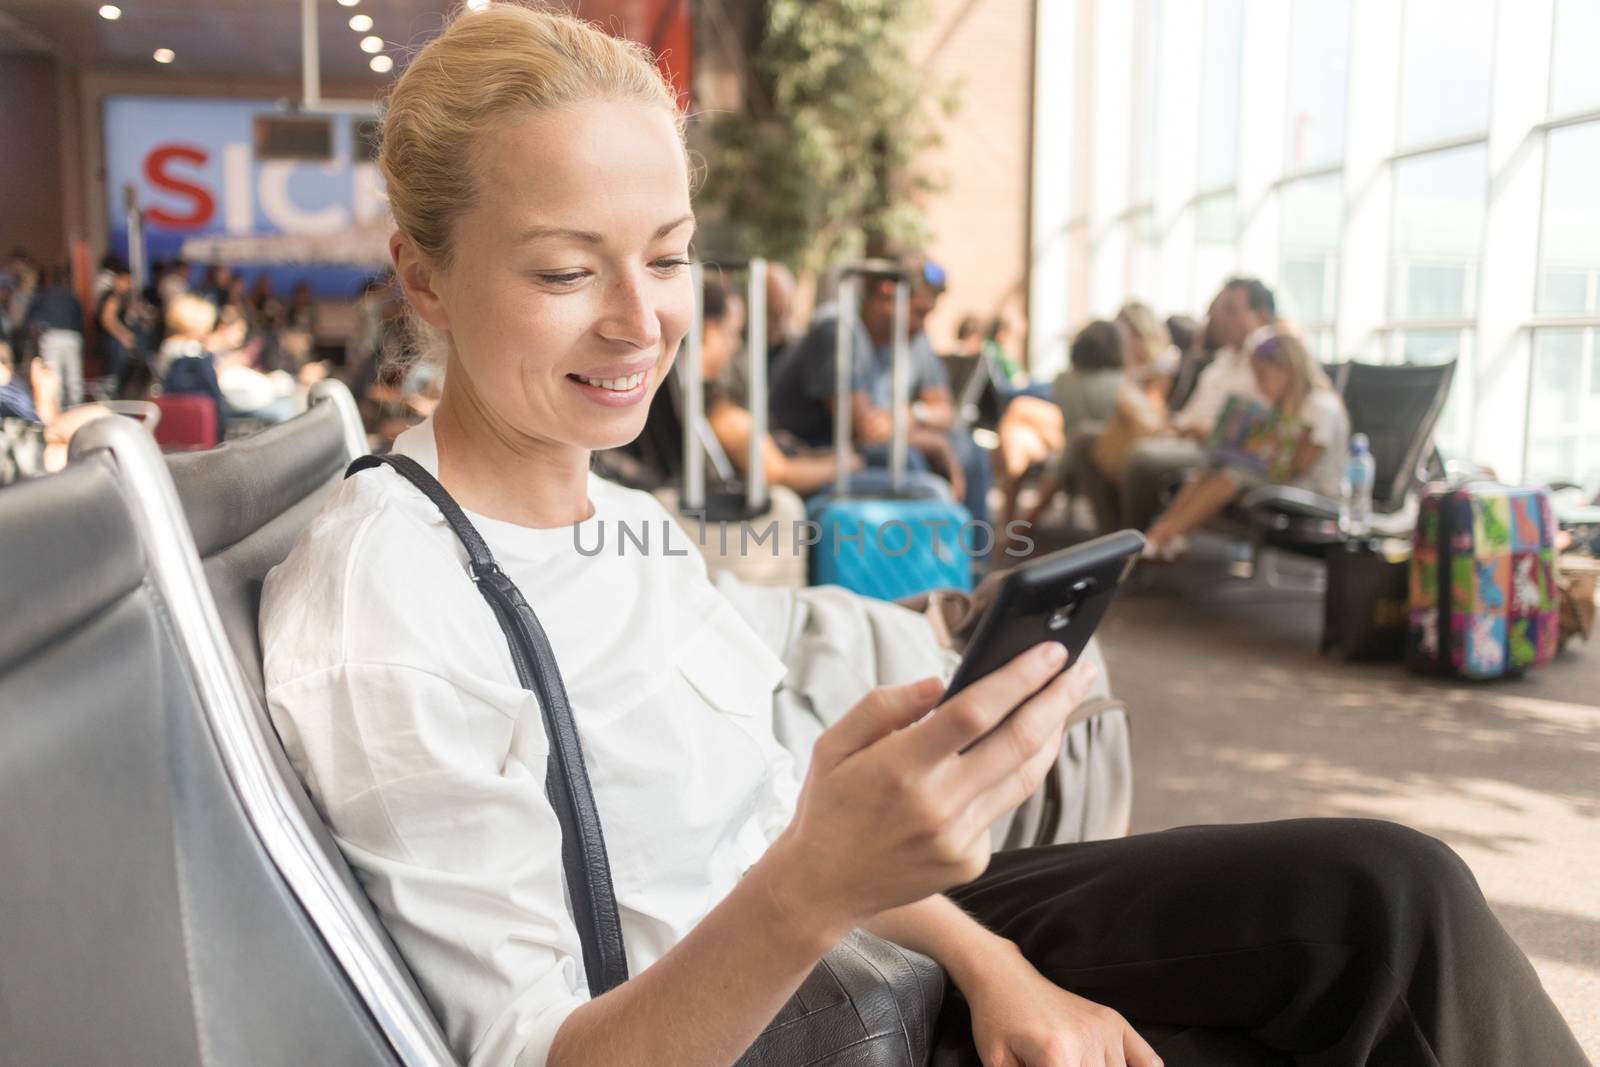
(381,64)
(164,55)
(110,12)
(361,23)
(349,3)
(372,44)
(477,5)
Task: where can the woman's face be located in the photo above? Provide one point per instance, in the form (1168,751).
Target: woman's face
(569,288)
(1272,378)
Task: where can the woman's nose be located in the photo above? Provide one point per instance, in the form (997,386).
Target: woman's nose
(630,314)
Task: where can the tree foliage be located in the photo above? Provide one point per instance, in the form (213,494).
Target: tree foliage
(828,157)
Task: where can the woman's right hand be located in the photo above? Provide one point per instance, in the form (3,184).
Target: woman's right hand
(892,811)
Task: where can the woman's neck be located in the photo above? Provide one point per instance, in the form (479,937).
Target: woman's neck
(497,471)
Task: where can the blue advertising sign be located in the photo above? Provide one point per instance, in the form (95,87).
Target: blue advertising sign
(206,196)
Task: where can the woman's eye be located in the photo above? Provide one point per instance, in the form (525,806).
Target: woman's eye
(671,264)
(570,278)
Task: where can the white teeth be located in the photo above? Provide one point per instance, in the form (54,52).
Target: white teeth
(618,385)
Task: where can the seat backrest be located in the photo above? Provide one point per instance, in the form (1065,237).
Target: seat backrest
(1397,407)
(247,500)
(144,921)
(244,504)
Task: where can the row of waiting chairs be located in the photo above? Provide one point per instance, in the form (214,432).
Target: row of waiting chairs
(171,895)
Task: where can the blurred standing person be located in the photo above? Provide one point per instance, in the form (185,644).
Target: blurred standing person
(110,266)
(56,317)
(301,314)
(116,316)
(174,282)
(25,282)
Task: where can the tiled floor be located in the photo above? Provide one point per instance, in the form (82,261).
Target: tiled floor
(1238,718)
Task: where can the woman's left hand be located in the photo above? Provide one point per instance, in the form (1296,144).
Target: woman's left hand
(1022,1019)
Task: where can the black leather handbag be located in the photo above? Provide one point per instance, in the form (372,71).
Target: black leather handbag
(868,1002)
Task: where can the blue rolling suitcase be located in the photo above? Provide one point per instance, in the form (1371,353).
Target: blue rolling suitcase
(888,541)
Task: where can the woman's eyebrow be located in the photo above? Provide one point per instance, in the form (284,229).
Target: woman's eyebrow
(534,233)
(673,225)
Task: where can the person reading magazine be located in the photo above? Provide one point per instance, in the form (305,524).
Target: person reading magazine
(1300,439)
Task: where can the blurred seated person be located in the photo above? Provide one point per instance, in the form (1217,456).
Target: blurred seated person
(804,470)
(250,392)
(1241,317)
(34,430)
(735,379)
(184,363)
(969,337)
(1084,395)
(1140,409)
(1290,381)
(803,387)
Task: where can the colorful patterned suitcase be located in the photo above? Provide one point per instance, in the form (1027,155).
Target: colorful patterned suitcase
(1483,592)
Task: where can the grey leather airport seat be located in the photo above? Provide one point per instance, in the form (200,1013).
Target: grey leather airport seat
(244,503)
(146,920)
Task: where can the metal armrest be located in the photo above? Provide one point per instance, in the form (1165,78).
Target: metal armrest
(1292,501)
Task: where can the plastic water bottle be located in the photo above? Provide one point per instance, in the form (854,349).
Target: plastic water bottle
(1360,471)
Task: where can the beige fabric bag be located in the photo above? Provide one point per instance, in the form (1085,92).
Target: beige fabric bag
(838,645)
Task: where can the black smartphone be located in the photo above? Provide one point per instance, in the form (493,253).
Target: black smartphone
(1060,597)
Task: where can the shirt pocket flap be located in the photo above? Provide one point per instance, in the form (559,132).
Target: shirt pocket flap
(730,667)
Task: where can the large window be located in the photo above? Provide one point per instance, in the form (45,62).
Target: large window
(1319,83)
(1223,57)
(1564,408)
(1569,242)
(1308,283)
(1439,203)
(1574,72)
(1438,234)
(1445,68)
(1415,179)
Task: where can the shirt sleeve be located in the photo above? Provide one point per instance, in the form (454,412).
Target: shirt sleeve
(1323,416)
(435,795)
(930,370)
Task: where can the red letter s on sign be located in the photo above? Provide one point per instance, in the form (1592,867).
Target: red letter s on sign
(155,171)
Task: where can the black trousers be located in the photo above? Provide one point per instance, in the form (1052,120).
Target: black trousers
(1313,941)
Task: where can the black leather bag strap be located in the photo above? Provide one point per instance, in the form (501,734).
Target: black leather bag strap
(583,847)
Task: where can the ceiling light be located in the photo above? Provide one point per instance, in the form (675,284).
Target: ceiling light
(381,64)
(349,3)
(477,5)
(372,44)
(110,12)
(361,23)
(164,55)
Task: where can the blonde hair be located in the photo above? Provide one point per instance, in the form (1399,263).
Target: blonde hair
(1306,375)
(1148,339)
(191,316)
(487,68)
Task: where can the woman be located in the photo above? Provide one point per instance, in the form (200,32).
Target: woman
(1140,410)
(1293,382)
(536,171)
(1084,396)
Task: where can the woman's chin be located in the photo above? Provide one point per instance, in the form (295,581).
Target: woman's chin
(601,434)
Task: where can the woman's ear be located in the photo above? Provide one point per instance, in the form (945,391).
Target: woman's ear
(419,280)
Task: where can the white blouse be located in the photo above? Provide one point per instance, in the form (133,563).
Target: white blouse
(393,689)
